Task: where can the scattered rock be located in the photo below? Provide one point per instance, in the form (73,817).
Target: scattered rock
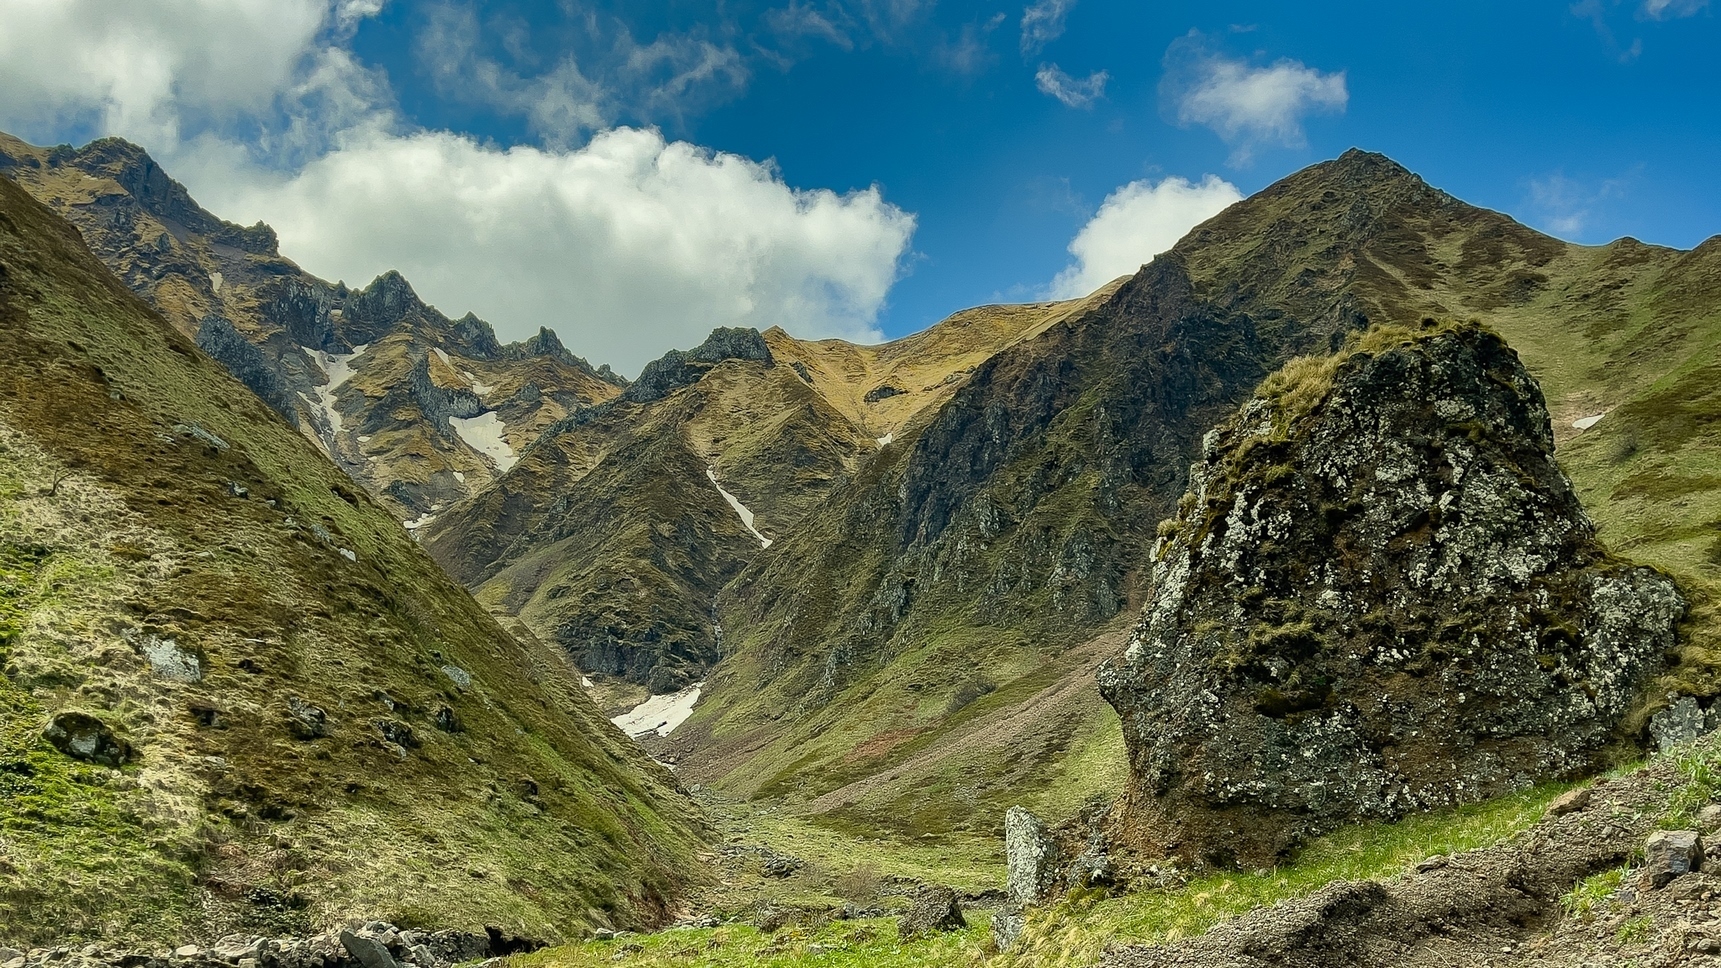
(306,721)
(603,934)
(780,865)
(1570,801)
(370,952)
(1709,817)
(936,908)
(1668,854)
(84,737)
(881,393)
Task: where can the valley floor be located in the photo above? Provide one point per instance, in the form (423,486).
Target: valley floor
(1499,883)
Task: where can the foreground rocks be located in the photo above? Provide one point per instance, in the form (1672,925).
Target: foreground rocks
(359,945)
(1503,906)
(1380,596)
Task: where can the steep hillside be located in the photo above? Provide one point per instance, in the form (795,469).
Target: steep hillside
(420,409)
(959,573)
(614,536)
(236,695)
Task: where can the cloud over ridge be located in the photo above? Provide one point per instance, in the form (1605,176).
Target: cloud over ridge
(1136,223)
(1245,104)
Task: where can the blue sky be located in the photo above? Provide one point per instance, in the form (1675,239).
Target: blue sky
(956,173)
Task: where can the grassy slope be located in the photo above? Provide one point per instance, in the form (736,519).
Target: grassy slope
(533,814)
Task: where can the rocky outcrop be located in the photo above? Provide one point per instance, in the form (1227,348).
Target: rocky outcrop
(361,944)
(217,337)
(1379,595)
(438,403)
(676,369)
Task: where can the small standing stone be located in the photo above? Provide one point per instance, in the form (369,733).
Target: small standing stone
(1031,857)
(1007,926)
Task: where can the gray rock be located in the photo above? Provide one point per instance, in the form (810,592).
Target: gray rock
(1386,557)
(1032,859)
(603,934)
(936,908)
(1668,854)
(1681,722)
(369,952)
(84,737)
(780,865)
(1007,926)
(235,947)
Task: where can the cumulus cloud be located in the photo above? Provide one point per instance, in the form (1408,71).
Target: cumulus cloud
(1245,104)
(148,70)
(1136,223)
(1052,80)
(626,246)
(1042,23)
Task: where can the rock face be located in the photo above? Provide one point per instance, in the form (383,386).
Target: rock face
(1380,595)
(84,737)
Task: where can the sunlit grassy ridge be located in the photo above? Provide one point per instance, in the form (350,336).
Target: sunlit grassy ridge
(492,794)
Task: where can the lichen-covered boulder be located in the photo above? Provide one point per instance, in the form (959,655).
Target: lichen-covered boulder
(1380,595)
(84,737)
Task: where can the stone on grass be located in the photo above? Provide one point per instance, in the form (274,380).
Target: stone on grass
(1007,926)
(935,909)
(1679,723)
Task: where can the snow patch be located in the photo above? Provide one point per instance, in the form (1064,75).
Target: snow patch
(1588,422)
(482,389)
(348,554)
(886,439)
(740,509)
(460,476)
(215,281)
(442,356)
(660,714)
(483,434)
(338,368)
(364,438)
(422,520)
(587,682)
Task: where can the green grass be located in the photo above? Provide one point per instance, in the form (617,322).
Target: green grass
(838,944)
(1078,929)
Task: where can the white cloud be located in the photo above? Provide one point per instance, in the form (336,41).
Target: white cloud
(157,71)
(1245,104)
(1042,23)
(626,246)
(1672,9)
(1052,80)
(1136,223)
(1565,207)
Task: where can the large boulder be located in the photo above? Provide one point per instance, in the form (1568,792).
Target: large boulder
(1379,595)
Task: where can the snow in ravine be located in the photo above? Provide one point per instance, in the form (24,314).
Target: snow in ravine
(887,438)
(483,434)
(740,509)
(482,389)
(442,355)
(1588,422)
(421,521)
(660,714)
(338,368)
(215,281)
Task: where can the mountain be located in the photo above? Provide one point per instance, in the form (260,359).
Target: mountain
(614,535)
(420,409)
(919,653)
(237,696)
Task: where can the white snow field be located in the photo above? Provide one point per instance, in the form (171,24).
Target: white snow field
(660,714)
(484,434)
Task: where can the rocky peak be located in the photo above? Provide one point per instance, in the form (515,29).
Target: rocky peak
(476,337)
(159,194)
(677,369)
(1379,595)
(373,310)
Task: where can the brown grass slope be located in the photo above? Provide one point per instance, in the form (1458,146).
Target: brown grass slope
(322,724)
